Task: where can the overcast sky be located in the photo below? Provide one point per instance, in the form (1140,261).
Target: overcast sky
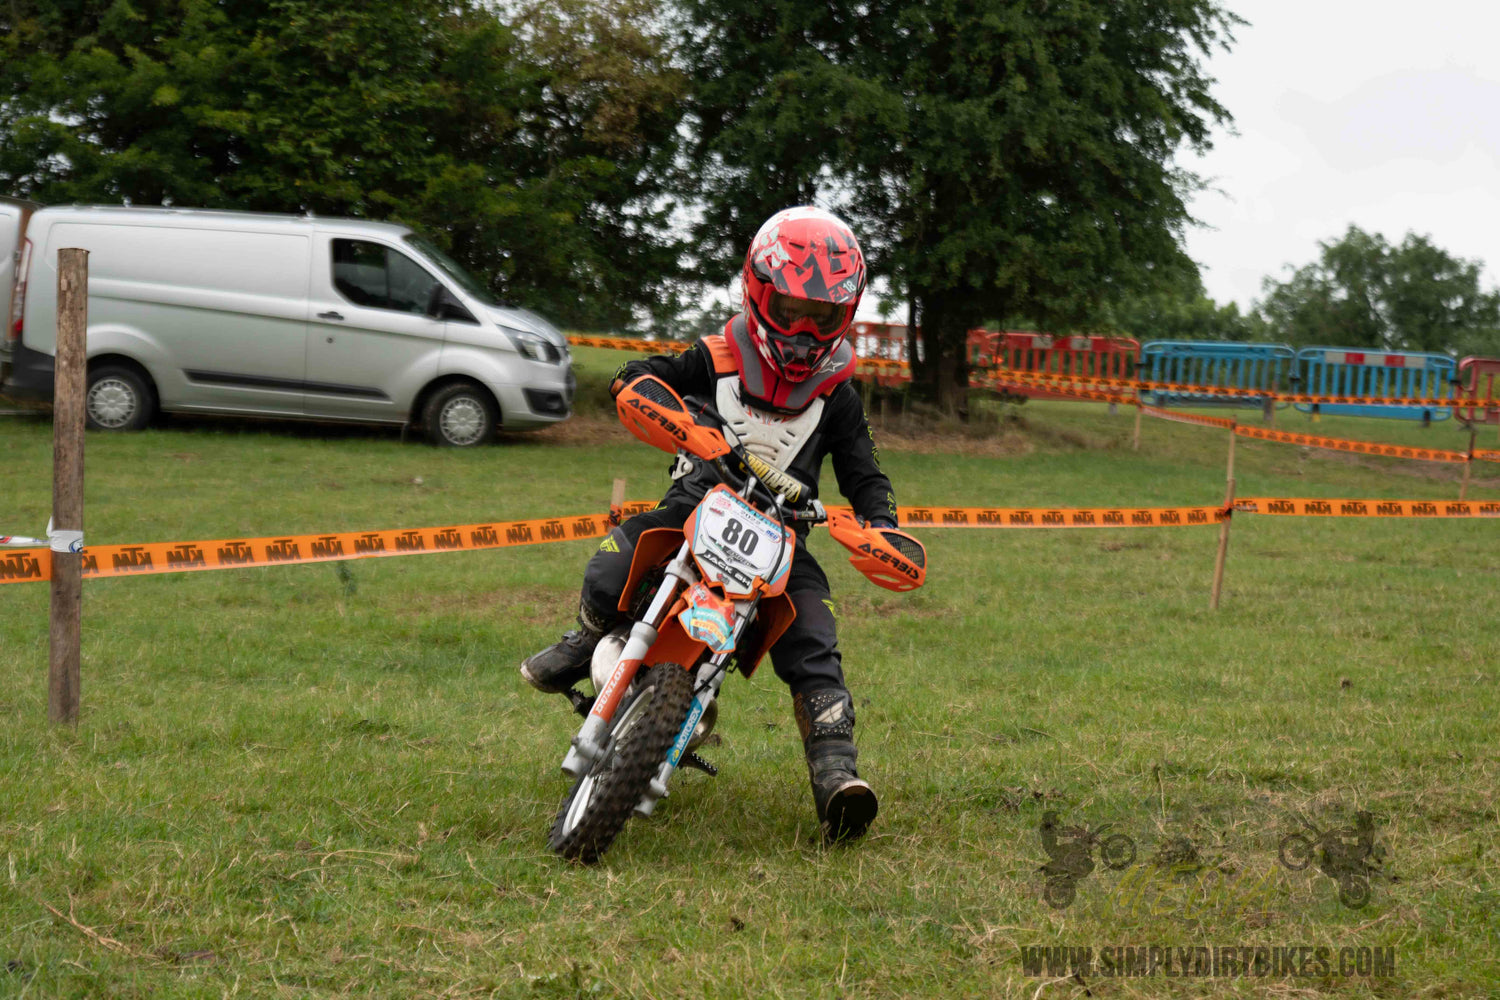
(1379,113)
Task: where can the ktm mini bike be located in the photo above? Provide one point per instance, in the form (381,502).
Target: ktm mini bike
(700,601)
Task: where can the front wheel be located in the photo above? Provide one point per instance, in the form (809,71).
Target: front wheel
(1295,851)
(1117,851)
(460,415)
(642,732)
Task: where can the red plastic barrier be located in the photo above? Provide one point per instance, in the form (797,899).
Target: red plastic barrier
(880,341)
(997,352)
(1045,353)
(1479,378)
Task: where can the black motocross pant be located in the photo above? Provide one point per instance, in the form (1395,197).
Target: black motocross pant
(806,656)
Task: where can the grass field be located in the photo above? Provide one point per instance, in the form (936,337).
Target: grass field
(289,783)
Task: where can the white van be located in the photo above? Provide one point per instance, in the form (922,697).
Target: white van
(276,315)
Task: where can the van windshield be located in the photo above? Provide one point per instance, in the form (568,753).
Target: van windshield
(452,269)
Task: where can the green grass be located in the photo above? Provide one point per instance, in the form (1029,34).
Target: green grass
(285,786)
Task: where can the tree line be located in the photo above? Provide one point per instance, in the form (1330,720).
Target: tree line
(605,161)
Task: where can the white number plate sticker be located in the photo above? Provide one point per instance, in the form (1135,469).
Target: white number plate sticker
(735,543)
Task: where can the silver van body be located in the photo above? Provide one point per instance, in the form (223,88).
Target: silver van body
(14,214)
(283,316)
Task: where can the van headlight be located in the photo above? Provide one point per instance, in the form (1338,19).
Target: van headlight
(533,346)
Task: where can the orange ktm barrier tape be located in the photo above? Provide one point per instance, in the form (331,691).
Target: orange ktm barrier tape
(1040,378)
(631,344)
(1487,456)
(1302,507)
(1059,517)
(881,365)
(1098,395)
(235,553)
(35,565)
(885,365)
(1331,444)
(1188,418)
(1361,447)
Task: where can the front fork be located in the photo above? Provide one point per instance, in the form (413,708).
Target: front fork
(588,745)
(709,679)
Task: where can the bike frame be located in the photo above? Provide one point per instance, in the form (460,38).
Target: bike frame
(658,637)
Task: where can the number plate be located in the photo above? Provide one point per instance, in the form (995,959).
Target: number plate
(734,543)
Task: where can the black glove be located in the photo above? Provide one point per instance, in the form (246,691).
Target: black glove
(879,522)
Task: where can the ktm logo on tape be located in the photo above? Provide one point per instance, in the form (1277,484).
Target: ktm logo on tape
(27,565)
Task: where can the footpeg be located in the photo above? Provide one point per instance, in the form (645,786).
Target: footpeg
(582,703)
(698,763)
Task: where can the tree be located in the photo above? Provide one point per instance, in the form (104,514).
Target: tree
(1363,292)
(1000,158)
(527,148)
(1180,312)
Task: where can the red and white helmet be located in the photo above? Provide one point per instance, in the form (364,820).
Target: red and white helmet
(803,279)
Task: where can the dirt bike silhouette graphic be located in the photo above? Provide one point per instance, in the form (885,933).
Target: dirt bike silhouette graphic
(1346,856)
(1074,859)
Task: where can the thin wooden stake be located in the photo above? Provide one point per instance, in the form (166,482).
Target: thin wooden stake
(1213,601)
(617,501)
(1463,488)
(1135,443)
(64,674)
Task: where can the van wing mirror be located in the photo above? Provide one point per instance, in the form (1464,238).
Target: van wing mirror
(651,411)
(442,305)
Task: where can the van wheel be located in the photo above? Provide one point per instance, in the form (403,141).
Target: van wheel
(119,399)
(460,416)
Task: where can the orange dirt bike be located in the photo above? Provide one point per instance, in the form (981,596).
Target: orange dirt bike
(702,600)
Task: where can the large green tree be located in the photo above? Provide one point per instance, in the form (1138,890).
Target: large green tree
(1001,158)
(532,146)
(1183,311)
(1364,292)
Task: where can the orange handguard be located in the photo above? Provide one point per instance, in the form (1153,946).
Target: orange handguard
(888,558)
(651,411)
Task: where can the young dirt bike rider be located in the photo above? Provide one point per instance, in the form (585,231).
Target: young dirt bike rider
(780,375)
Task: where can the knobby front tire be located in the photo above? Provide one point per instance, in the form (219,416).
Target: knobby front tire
(596,809)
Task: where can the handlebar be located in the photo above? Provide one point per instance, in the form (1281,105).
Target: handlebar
(778,485)
(654,413)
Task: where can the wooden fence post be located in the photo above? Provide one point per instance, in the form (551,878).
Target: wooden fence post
(66,532)
(1213,601)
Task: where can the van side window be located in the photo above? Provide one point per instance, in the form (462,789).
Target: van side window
(368,274)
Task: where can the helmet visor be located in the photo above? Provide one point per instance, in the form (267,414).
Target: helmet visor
(822,319)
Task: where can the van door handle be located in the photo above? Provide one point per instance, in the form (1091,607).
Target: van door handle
(331,315)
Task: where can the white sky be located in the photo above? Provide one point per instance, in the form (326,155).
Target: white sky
(1379,113)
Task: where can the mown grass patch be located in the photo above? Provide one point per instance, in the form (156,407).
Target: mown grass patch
(285,786)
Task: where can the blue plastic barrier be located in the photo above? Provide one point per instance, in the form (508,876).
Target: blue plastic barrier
(1224,365)
(1339,371)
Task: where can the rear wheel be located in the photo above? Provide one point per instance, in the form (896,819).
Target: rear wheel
(643,730)
(119,399)
(460,415)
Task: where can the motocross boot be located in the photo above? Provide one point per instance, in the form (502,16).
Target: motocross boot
(566,662)
(846,804)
